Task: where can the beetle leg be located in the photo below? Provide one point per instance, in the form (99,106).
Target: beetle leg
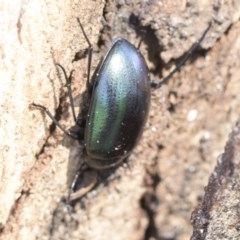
(155,84)
(68,133)
(89,180)
(90,52)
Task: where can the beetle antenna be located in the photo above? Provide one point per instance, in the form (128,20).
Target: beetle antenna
(90,51)
(181,63)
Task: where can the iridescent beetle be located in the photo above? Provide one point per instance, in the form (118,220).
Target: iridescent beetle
(120,99)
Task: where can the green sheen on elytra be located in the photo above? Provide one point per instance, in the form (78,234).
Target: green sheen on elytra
(119,105)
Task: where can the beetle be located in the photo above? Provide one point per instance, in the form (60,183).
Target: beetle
(120,100)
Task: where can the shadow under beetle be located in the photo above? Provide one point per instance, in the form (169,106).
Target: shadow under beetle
(119,104)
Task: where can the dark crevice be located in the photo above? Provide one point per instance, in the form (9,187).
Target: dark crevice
(83,53)
(106,26)
(148,36)
(171,108)
(149,202)
(172,105)
(160,147)
(42,149)
(134,21)
(24,194)
(146,203)
(154,50)
(228,29)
